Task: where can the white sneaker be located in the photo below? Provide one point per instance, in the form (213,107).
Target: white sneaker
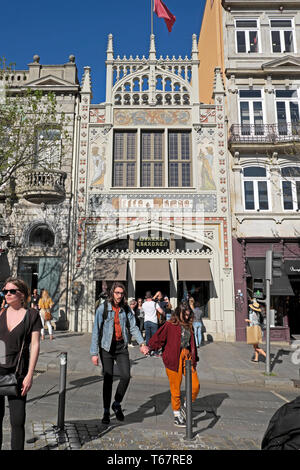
(131,345)
(179,421)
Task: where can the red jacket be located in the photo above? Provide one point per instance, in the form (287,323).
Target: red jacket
(168,337)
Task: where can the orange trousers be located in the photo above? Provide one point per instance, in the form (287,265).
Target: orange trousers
(175,379)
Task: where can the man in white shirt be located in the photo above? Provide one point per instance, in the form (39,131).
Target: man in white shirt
(151,322)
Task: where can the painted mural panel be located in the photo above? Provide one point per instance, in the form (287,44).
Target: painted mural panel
(150,117)
(97,156)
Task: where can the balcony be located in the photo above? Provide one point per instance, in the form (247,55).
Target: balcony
(39,186)
(264,136)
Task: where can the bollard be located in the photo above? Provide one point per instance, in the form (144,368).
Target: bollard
(62,391)
(188,394)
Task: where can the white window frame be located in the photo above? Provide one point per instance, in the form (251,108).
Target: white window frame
(287,100)
(293,180)
(250,101)
(281,35)
(247,32)
(255,180)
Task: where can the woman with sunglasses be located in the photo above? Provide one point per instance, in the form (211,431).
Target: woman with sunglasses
(176,337)
(18,323)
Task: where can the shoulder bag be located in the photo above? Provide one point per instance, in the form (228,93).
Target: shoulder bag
(9,382)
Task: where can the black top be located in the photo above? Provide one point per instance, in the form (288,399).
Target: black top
(35,300)
(11,341)
(185,338)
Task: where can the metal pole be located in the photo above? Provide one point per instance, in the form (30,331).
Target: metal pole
(267,369)
(268,278)
(62,390)
(188,393)
(151,17)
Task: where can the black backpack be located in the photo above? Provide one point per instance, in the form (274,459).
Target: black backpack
(283,432)
(104,317)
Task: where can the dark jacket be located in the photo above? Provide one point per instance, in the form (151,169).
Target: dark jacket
(168,337)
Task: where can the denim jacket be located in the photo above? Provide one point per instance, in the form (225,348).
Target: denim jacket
(108,329)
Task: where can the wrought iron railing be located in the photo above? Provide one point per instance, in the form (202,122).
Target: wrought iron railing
(264,133)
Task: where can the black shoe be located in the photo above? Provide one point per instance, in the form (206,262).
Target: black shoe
(183,411)
(118,412)
(106,418)
(179,421)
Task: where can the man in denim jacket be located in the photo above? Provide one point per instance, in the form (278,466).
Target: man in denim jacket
(114,347)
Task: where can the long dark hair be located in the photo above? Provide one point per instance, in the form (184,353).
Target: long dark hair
(178,316)
(111,293)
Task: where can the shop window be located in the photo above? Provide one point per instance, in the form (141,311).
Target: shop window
(256,188)
(290,188)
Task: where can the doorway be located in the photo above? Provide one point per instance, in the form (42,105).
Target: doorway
(141,287)
(293,307)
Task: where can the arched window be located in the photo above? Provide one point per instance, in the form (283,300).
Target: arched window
(41,236)
(256,188)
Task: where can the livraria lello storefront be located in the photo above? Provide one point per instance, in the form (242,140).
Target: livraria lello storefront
(151,189)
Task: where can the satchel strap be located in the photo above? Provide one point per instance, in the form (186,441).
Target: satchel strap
(26,318)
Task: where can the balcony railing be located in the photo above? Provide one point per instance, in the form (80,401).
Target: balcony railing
(265,133)
(38,185)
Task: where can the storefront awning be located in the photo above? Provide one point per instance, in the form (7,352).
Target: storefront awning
(194,270)
(110,270)
(152,270)
(280,285)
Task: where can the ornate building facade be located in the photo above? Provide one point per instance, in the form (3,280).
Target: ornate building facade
(152,190)
(257,47)
(141,196)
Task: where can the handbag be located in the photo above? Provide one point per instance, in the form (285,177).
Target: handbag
(254,335)
(47,315)
(9,382)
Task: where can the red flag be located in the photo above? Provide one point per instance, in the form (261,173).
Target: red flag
(162,12)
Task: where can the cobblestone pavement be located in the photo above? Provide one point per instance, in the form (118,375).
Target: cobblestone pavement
(47,436)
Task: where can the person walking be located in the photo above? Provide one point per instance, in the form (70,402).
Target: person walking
(169,308)
(255,319)
(140,314)
(132,306)
(197,323)
(177,339)
(113,323)
(45,304)
(160,302)
(19,327)
(151,321)
(34,301)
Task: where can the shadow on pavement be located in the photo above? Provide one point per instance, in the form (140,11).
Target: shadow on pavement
(209,405)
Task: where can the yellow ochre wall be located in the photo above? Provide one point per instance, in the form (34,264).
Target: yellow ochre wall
(211,49)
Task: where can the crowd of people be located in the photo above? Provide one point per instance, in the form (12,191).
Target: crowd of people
(152,311)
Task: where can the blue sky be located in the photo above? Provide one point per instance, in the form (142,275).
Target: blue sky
(56,29)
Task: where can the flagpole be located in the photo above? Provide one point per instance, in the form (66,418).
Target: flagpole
(151,17)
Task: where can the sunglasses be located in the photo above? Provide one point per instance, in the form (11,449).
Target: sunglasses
(11,291)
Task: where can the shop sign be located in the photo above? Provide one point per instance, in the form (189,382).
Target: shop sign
(153,243)
(292,267)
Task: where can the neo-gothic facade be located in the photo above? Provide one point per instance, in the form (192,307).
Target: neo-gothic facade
(146,193)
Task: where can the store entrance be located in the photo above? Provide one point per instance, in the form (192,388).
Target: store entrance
(293,306)
(142,287)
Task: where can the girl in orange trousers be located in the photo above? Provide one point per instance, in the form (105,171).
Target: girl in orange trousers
(176,337)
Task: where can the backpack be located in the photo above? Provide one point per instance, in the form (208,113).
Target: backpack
(283,432)
(104,317)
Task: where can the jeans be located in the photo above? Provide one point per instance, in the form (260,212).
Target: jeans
(17,412)
(198,333)
(119,353)
(150,329)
